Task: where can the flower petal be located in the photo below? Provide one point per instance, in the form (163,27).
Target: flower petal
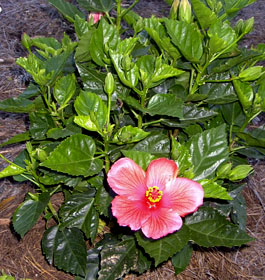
(183,195)
(161,223)
(160,171)
(127,178)
(130,213)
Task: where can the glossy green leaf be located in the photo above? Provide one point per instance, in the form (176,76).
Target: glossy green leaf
(97,6)
(24,136)
(156,144)
(214,190)
(102,201)
(104,35)
(255,137)
(187,38)
(17,105)
(181,155)
(240,172)
(251,73)
(208,150)
(193,113)
(157,32)
(164,248)
(57,133)
(28,213)
(165,104)
(11,170)
(90,104)
(125,258)
(208,228)
(74,156)
(64,89)
(244,92)
(66,249)
(219,93)
(143,263)
(129,134)
(233,113)
(182,258)
(141,158)
(67,9)
(40,123)
(204,15)
(86,122)
(81,27)
(129,77)
(221,36)
(78,211)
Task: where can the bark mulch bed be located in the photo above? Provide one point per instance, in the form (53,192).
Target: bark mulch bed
(23,258)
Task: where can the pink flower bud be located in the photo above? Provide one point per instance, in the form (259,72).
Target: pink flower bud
(96,16)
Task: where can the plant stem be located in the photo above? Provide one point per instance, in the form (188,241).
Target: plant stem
(53,211)
(124,12)
(118,22)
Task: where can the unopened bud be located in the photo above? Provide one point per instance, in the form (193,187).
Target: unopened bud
(109,84)
(185,11)
(26,41)
(126,63)
(224,170)
(95,16)
(174,9)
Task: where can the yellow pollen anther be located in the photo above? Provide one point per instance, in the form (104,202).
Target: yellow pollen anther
(153,194)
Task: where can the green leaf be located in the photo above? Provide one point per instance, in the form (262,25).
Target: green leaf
(78,212)
(28,213)
(181,154)
(97,6)
(251,73)
(219,93)
(255,137)
(129,134)
(64,89)
(157,32)
(17,105)
(22,137)
(40,123)
(117,259)
(193,113)
(11,170)
(165,247)
(102,201)
(214,190)
(205,16)
(74,156)
(67,9)
(240,172)
(86,122)
(66,249)
(90,104)
(165,104)
(233,113)
(221,36)
(141,158)
(208,150)
(182,258)
(156,144)
(208,228)
(104,35)
(187,38)
(244,92)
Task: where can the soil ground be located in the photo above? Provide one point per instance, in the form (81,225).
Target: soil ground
(23,258)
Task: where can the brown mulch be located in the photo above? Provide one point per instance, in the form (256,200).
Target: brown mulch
(23,258)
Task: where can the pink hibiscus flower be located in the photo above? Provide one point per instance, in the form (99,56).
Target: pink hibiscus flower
(153,201)
(96,16)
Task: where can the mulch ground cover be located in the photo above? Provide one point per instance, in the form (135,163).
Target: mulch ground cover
(23,258)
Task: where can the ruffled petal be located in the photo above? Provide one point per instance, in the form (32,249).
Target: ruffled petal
(127,178)
(130,213)
(161,223)
(160,171)
(183,196)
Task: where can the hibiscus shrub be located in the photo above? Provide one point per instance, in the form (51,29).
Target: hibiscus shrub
(142,124)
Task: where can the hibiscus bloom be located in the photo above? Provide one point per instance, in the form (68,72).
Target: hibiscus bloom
(153,201)
(96,16)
